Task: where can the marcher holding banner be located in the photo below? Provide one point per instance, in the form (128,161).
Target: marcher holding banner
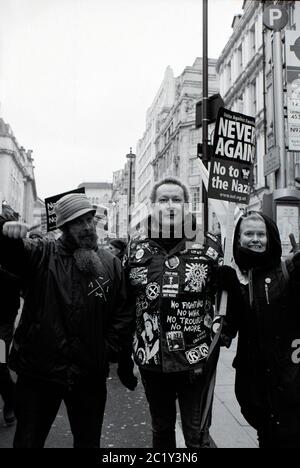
(266,316)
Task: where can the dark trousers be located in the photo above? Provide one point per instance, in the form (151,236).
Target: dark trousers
(6,383)
(162,391)
(37,404)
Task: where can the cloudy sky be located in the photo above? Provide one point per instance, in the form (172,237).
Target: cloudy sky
(77,76)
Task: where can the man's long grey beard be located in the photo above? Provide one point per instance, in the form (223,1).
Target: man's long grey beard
(88,262)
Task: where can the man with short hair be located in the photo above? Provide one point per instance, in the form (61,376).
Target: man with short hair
(171,284)
(73,322)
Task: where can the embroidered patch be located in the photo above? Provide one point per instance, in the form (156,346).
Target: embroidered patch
(175,341)
(195,276)
(141,304)
(212,253)
(195,355)
(170,284)
(152,291)
(138,275)
(146,345)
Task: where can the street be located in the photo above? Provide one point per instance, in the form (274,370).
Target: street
(127,421)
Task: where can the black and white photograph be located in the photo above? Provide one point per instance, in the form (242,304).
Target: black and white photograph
(149,226)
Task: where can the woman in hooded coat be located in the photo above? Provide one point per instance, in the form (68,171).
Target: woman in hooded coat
(264,309)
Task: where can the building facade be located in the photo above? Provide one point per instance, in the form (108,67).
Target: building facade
(146,148)
(17,182)
(99,194)
(247,77)
(120,200)
(169,144)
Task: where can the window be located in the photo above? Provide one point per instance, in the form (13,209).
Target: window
(240,104)
(195,198)
(252,40)
(240,59)
(194,166)
(253,98)
(291,15)
(193,137)
(229,74)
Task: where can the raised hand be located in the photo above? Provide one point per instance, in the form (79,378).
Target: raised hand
(17,230)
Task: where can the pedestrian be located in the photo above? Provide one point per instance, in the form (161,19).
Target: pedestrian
(117,247)
(265,313)
(172,293)
(73,322)
(10,298)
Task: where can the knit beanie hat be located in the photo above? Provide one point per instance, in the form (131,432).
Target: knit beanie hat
(70,207)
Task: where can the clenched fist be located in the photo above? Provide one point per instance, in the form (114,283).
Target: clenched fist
(16,230)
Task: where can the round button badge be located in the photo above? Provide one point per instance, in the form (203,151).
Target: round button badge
(172,262)
(139,254)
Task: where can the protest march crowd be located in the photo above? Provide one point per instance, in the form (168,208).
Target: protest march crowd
(152,303)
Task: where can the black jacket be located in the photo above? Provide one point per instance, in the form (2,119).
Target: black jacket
(10,297)
(70,323)
(267,361)
(172,294)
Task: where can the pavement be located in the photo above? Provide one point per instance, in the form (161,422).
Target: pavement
(229,429)
(127,420)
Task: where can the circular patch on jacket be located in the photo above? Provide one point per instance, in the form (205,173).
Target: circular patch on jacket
(193,355)
(152,291)
(139,254)
(216,323)
(141,356)
(203,350)
(172,262)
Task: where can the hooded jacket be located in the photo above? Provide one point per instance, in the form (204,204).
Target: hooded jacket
(70,322)
(268,321)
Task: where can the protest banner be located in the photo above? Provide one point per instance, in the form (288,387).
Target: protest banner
(231,170)
(233,156)
(50,202)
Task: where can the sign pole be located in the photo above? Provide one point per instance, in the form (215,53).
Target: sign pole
(227,252)
(204,107)
(275,17)
(279,105)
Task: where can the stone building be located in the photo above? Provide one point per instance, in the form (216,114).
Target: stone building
(17,182)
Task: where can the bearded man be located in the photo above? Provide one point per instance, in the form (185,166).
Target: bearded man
(73,322)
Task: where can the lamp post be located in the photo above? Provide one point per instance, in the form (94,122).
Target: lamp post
(204,109)
(131,156)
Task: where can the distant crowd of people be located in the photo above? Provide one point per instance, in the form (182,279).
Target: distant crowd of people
(147,304)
